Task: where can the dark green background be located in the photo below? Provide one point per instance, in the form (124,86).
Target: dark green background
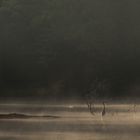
(56,47)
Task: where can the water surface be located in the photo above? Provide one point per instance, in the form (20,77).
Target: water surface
(75,122)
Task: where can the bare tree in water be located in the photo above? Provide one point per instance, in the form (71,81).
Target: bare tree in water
(97,89)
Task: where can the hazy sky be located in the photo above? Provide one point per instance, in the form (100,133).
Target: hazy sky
(58,47)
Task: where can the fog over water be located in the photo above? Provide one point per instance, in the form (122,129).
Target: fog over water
(69,69)
(74,122)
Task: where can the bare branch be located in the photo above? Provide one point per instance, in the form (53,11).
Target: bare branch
(96,88)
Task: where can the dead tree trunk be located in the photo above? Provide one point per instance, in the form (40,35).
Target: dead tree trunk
(96,89)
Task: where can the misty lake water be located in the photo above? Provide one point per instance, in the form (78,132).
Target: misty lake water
(74,122)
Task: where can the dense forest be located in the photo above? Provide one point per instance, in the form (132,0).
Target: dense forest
(59,47)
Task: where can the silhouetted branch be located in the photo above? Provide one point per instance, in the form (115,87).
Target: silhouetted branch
(96,89)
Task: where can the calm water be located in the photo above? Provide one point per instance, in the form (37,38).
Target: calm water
(75,123)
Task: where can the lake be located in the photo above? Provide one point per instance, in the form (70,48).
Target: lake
(74,122)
